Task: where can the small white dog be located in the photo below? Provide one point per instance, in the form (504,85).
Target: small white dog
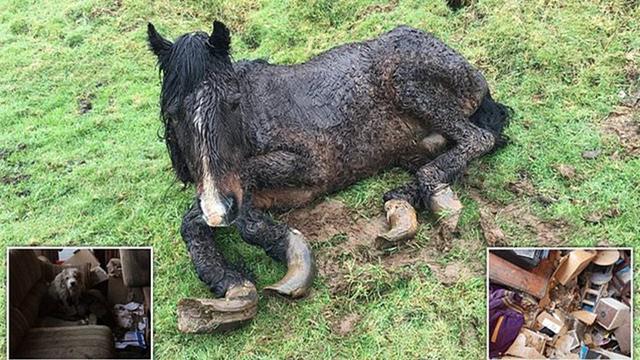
(65,292)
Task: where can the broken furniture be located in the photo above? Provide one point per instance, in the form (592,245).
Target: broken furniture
(504,272)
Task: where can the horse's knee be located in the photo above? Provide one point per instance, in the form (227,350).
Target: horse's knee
(481,142)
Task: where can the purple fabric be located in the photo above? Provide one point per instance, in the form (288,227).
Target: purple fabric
(503,304)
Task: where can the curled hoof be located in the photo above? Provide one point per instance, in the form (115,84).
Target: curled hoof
(403,223)
(446,205)
(301,269)
(201,316)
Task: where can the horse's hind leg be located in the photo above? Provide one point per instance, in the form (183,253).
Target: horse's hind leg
(434,178)
(400,204)
(282,244)
(240,295)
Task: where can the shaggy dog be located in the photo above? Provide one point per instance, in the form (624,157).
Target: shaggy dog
(64,292)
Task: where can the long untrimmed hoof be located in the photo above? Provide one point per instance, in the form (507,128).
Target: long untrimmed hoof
(203,316)
(446,205)
(403,223)
(301,269)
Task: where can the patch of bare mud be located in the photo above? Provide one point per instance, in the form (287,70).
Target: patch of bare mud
(336,233)
(347,324)
(624,123)
(548,233)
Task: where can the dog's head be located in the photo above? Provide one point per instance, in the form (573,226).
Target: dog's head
(71,278)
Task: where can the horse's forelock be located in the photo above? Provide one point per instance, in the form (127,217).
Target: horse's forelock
(184,70)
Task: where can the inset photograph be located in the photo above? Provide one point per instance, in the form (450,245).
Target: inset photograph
(559,303)
(79,303)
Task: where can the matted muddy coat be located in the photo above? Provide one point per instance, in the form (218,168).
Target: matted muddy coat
(255,136)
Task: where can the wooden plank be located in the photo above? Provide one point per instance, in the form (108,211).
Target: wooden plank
(503,272)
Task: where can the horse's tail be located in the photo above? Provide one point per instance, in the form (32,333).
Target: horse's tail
(493,116)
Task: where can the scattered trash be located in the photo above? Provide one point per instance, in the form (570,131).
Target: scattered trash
(581,308)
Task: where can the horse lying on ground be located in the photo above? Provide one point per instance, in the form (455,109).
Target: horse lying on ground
(254,136)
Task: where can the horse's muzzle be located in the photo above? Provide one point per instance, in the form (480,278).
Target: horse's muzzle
(223,214)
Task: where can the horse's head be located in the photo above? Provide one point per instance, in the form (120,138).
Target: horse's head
(201,114)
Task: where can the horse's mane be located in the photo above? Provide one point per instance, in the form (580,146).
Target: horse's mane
(185,68)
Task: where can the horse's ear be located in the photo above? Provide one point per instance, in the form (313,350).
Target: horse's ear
(220,38)
(159,45)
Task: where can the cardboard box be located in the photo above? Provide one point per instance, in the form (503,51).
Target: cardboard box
(611,313)
(572,265)
(567,342)
(520,349)
(585,316)
(623,336)
(117,293)
(81,257)
(98,275)
(546,320)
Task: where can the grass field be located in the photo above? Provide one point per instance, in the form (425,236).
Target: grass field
(81,162)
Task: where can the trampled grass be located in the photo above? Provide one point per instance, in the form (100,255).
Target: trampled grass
(100,176)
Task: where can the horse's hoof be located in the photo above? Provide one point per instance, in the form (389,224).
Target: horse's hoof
(446,205)
(201,316)
(301,269)
(403,223)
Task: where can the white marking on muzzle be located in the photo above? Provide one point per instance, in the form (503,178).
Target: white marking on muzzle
(213,208)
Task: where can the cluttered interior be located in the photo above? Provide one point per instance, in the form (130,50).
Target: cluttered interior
(560,303)
(80,303)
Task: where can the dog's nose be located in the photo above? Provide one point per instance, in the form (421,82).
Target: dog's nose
(72,283)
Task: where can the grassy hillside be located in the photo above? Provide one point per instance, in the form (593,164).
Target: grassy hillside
(81,162)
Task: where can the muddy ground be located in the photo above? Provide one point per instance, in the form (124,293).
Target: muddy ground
(337,233)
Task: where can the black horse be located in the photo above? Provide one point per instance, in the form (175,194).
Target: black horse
(255,136)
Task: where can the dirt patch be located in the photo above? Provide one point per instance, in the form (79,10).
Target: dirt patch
(624,123)
(337,234)
(522,186)
(548,233)
(14,179)
(598,216)
(347,324)
(85,103)
(566,171)
(490,230)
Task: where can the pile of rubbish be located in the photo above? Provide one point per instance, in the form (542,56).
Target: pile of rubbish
(560,304)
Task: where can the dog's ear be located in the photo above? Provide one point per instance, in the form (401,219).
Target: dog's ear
(159,45)
(220,40)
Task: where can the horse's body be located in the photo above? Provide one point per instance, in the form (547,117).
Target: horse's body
(252,135)
(340,115)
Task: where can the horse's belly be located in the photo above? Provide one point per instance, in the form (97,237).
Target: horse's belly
(381,146)
(284,198)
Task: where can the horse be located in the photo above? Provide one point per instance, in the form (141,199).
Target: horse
(254,136)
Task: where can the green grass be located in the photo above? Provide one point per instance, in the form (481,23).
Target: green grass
(103,177)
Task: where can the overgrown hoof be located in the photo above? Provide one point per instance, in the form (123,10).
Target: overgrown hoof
(447,207)
(202,316)
(301,269)
(403,223)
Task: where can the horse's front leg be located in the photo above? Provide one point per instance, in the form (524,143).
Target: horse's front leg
(239,296)
(282,244)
